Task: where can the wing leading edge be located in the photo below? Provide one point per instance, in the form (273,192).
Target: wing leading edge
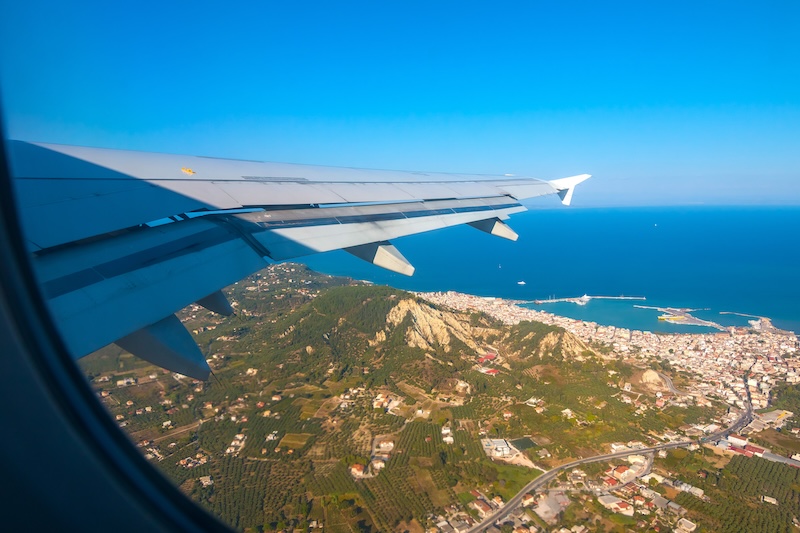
(122,240)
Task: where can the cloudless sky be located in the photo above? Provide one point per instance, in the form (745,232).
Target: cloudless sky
(663,102)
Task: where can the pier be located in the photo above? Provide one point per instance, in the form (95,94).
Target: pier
(677,315)
(583,300)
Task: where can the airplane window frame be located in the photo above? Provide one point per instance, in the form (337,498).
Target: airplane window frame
(71,465)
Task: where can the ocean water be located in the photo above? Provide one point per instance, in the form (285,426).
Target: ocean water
(735,259)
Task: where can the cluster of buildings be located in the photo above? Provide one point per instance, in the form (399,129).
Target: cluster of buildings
(381,453)
(458,521)
(236,444)
(740,444)
(447,435)
(191,462)
(483,505)
(386,402)
(624,489)
(483,363)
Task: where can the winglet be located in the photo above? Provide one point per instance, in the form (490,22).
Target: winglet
(565,186)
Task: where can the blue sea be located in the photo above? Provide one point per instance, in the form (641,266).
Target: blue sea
(734,259)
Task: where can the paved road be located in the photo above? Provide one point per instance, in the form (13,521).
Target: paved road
(671,385)
(548,476)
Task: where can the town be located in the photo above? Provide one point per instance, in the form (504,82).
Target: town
(718,361)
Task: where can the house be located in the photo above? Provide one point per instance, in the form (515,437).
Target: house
(738,440)
(685,526)
(757,451)
(459,526)
(482,507)
(742,451)
(609,482)
(562,500)
(628,490)
(358,470)
(615,505)
(675,508)
(528,499)
(445,527)
(448,439)
(624,473)
(625,508)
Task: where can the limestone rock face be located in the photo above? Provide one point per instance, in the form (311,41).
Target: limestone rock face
(571,346)
(431,327)
(651,377)
(380,337)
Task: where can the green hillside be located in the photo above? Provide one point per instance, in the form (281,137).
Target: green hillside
(298,371)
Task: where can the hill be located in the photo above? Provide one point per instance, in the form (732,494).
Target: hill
(315,372)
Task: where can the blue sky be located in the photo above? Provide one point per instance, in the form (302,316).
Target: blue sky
(664,103)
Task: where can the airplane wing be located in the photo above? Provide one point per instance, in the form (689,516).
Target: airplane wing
(121,240)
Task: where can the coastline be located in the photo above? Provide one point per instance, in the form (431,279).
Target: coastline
(739,366)
(510,312)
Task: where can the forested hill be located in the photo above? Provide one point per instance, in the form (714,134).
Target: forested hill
(387,335)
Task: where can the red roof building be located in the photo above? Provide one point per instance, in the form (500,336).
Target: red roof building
(758,452)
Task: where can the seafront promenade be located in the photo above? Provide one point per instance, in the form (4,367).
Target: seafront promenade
(719,361)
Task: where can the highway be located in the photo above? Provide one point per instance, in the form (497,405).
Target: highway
(544,479)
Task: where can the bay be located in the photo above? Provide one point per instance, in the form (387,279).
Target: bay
(735,259)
